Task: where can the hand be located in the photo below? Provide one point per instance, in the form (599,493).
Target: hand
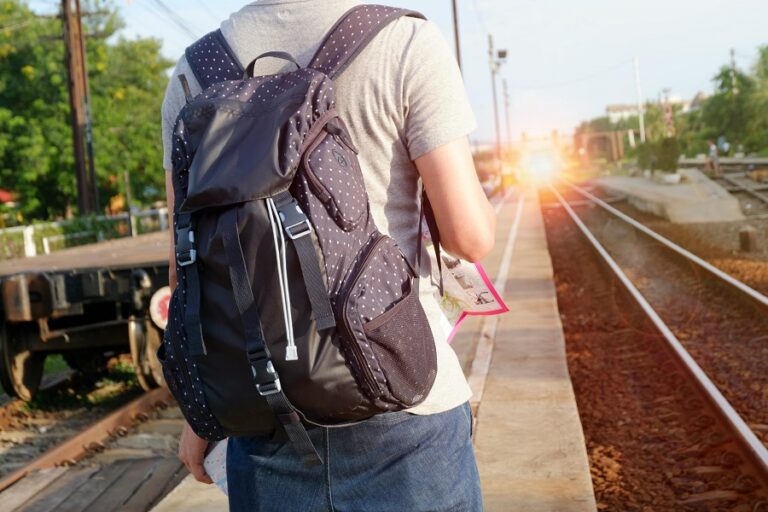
(192,452)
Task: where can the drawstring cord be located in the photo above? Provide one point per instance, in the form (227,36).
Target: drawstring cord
(291,352)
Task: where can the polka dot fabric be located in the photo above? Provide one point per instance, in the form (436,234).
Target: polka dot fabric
(351,34)
(368,277)
(212,60)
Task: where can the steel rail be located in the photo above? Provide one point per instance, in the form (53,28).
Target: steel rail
(730,280)
(752,445)
(78,446)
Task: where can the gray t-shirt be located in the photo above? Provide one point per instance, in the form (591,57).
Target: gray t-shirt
(402,97)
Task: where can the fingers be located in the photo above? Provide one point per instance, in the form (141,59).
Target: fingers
(192,453)
(195,466)
(198,471)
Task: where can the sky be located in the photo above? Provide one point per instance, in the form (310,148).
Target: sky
(567,59)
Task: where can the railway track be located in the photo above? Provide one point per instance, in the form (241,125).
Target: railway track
(721,321)
(124,461)
(660,431)
(68,405)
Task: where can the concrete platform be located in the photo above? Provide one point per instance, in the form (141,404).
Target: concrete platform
(529,443)
(696,199)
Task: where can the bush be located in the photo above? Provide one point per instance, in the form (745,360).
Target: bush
(668,154)
(645,155)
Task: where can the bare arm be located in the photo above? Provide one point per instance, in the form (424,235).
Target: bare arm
(466,219)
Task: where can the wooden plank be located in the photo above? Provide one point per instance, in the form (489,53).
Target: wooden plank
(156,486)
(74,448)
(122,489)
(18,494)
(150,249)
(93,487)
(192,496)
(59,490)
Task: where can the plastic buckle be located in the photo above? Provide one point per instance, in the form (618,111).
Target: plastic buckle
(304,232)
(269,389)
(264,374)
(186,254)
(295,223)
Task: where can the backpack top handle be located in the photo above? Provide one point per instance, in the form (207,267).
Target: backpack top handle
(276,55)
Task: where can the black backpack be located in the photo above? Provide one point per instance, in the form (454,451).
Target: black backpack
(290,304)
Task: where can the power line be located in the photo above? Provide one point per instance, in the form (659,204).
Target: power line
(480,17)
(176,19)
(207,9)
(17,26)
(574,81)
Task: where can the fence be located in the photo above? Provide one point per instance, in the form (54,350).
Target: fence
(44,238)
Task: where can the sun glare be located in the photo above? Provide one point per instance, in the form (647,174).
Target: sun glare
(541,165)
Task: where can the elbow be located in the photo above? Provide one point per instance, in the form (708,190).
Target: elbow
(480,249)
(474,244)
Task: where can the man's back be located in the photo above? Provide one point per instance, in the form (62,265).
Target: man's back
(402,99)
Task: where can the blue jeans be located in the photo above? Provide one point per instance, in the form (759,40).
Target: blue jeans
(396,462)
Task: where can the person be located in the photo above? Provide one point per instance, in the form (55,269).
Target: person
(714,158)
(406,107)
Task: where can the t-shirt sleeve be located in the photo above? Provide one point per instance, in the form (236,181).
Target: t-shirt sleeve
(436,107)
(173,102)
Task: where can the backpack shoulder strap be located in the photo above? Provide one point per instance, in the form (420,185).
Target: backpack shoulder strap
(351,33)
(212,60)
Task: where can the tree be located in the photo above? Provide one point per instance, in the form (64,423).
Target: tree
(127,80)
(728,111)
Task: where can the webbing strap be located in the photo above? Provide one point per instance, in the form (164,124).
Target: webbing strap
(186,257)
(434,233)
(351,34)
(297,227)
(241,284)
(212,60)
(294,428)
(265,376)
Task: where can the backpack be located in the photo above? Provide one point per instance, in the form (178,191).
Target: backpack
(291,309)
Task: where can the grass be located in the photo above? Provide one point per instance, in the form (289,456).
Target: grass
(55,364)
(116,385)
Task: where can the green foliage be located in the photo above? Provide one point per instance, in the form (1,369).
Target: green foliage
(668,154)
(645,155)
(737,110)
(127,79)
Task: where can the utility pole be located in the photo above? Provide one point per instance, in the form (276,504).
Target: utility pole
(82,137)
(494,64)
(640,106)
(734,85)
(456,32)
(506,113)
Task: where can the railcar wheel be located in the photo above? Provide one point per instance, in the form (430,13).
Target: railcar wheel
(21,370)
(145,339)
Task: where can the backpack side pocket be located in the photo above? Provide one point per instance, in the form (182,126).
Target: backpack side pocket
(387,329)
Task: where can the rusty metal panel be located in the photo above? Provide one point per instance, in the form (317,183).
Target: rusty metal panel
(26,297)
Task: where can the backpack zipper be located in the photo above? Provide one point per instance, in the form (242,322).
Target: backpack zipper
(362,362)
(314,182)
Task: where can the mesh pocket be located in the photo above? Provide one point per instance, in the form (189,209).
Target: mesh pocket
(402,341)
